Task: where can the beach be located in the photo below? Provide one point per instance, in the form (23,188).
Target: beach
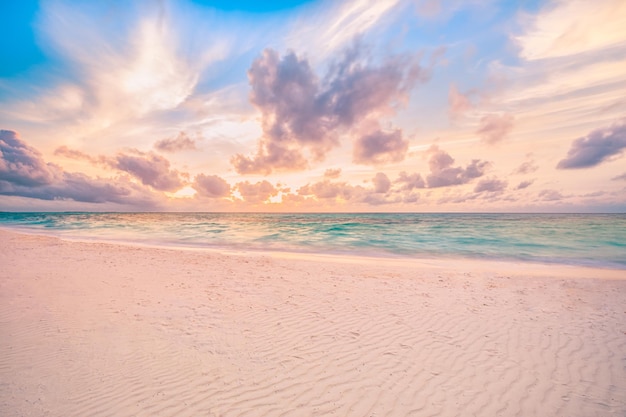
(104,329)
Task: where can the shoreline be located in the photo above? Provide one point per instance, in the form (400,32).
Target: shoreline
(105,329)
(302,254)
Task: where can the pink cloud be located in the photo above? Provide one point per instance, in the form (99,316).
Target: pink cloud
(620,177)
(495,127)
(303,115)
(410,181)
(75,154)
(524,184)
(211,186)
(380,147)
(328,190)
(458,103)
(443,174)
(258,192)
(151,169)
(181,142)
(382,184)
(550,195)
(490,185)
(526,167)
(332,173)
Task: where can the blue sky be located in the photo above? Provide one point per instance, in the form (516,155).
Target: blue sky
(355,105)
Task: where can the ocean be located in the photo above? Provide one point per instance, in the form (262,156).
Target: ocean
(574,239)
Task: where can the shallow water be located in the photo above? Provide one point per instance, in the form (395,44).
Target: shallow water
(576,239)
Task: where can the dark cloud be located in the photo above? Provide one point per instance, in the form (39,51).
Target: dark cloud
(443,174)
(495,127)
(380,147)
(21,164)
(524,184)
(24,173)
(332,173)
(150,169)
(258,192)
(598,146)
(79,187)
(410,181)
(382,184)
(304,113)
(211,186)
(490,185)
(182,142)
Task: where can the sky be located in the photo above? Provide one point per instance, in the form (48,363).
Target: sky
(313,106)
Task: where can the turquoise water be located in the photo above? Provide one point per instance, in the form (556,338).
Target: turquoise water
(576,239)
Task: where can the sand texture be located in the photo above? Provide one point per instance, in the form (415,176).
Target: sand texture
(95,329)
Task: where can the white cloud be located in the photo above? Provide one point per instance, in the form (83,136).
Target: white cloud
(337,24)
(570,27)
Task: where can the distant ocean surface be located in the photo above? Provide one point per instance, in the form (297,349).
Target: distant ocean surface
(575,239)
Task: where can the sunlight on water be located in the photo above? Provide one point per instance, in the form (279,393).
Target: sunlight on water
(578,239)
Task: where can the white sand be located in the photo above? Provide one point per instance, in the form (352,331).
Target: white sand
(92,329)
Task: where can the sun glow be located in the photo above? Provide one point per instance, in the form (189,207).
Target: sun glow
(185,192)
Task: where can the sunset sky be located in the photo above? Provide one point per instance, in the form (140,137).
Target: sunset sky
(382,105)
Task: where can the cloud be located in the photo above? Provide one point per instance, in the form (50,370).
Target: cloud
(150,169)
(526,167)
(494,128)
(410,181)
(571,27)
(620,177)
(380,147)
(458,103)
(182,142)
(550,195)
(76,154)
(303,115)
(112,67)
(142,69)
(598,146)
(333,28)
(443,174)
(81,188)
(329,190)
(211,186)
(492,185)
(332,173)
(524,184)
(21,164)
(24,173)
(445,9)
(382,184)
(256,193)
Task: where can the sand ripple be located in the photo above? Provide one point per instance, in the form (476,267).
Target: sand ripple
(103,330)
